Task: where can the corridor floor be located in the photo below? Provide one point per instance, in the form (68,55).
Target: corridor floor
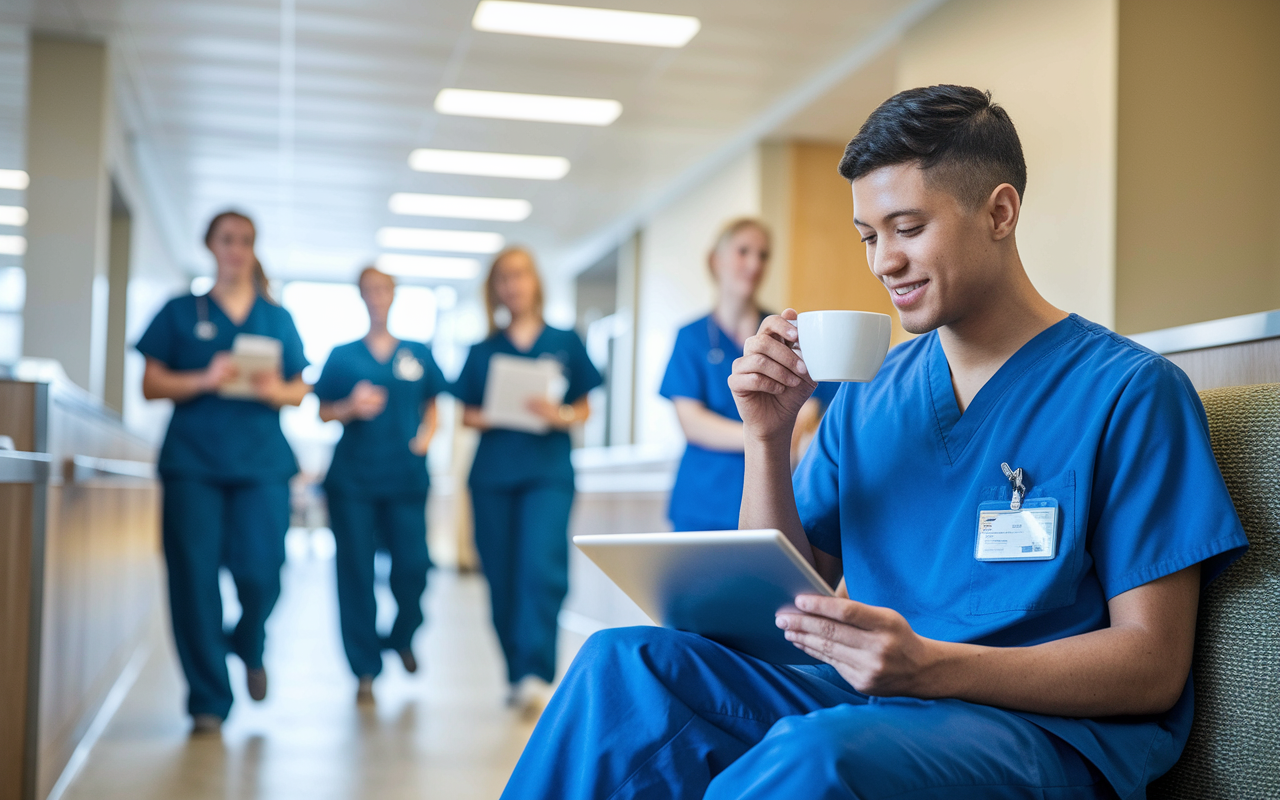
(442,733)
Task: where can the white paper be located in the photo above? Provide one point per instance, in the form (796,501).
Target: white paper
(512,382)
(251,353)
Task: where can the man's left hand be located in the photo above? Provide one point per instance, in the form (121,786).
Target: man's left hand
(874,649)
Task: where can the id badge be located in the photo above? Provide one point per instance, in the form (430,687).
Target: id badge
(1029,533)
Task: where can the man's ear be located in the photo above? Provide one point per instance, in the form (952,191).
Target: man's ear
(1004,205)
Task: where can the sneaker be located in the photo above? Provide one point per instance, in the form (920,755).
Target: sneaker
(406,658)
(530,696)
(256,679)
(364,692)
(206,725)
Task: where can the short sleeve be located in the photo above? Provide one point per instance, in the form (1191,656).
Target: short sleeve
(330,386)
(683,377)
(469,387)
(817,481)
(159,340)
(293,357)
(435,382)
(583,375)
(1159,502)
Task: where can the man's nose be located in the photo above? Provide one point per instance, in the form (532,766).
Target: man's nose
(887,261)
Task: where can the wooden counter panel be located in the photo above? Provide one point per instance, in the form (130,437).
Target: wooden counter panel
(1242,364)
(15,622)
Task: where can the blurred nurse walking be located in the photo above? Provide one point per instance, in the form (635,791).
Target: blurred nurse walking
(225,464)
(383,392)
(521,481)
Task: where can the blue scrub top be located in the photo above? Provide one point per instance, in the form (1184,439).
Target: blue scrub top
(1111,430)
(373,457)
(213,438)
(507,458)
(707,494)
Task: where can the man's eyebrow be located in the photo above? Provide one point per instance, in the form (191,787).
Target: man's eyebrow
(905,212)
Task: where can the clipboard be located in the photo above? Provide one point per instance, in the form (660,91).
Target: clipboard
(514,380)
(251,353)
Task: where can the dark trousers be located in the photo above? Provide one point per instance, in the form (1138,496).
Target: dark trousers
(206,526)
(360,526)
(522,535)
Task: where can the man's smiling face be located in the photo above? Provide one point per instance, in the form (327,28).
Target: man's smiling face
(936,256)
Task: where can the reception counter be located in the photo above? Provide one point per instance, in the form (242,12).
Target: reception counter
(79,570)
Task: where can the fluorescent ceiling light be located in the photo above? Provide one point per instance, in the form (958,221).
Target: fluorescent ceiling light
(13,179)
(13,245)
(449,241)
(13,215)
(590,24)
(534,107)
(495,165)
(439,267)
(443,205)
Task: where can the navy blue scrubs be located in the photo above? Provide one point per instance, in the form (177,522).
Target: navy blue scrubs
(377,492)
(707,494)
(521,491)
(892,484)
(225,467)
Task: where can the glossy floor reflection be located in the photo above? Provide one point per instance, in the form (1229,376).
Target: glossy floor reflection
(443,733)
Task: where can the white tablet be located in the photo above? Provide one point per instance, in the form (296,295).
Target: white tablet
(725,585)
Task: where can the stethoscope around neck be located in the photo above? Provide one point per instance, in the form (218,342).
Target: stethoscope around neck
(716,354)
(205,330)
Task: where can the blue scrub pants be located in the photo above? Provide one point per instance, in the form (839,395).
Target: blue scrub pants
(206,526)
(361,525)
(656,713)
(522,536)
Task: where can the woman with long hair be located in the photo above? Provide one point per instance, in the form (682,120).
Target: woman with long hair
(383,392)
(707,494)
(521,480)
(225,465)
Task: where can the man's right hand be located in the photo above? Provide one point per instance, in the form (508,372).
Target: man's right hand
(770,382)
(366,401)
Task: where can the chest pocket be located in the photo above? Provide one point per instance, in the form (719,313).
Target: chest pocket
(1003,586)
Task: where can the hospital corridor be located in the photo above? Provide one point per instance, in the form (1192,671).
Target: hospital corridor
(634,399)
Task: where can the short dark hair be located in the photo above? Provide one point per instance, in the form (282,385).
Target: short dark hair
(961,139)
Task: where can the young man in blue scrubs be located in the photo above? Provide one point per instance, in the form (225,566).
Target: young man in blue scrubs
(964,657)
(383,392)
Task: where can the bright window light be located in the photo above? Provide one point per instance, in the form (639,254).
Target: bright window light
(13,215)
(494,165)
(590,24)
(13,289)
(437,267)
(535,107)
(413,314)
(13,179)
(443,205)
(432,239)
(17,245)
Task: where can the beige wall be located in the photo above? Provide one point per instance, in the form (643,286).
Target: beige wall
(1051,64)
(1198,209)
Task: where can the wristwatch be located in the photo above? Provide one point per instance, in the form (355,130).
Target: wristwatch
(567,413)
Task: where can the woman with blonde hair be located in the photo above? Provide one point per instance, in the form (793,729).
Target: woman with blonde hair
(225,464)
(521,480)
(707,493)
(383,392)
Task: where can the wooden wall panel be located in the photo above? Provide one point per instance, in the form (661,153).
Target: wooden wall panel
(1241,364)
(15,619)
(828,263)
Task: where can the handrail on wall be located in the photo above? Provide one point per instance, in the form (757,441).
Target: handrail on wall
(20,467)
(81,469)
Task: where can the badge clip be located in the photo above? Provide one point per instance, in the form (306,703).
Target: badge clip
(1019,488)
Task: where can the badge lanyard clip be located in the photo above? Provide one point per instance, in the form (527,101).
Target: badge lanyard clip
(1019,488)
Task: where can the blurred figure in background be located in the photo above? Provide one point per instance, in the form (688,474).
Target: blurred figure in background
(522,482)
(225,464)
(383,392)
(708,489)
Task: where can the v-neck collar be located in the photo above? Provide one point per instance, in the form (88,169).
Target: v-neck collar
(532,347)
(955,429)
(390,357)
(213,303)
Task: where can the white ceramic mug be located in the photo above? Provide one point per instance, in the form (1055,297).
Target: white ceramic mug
(843,345)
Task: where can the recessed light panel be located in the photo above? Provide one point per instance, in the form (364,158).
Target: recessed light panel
(532,107)
(447,241)
(13,215)
(589,24)
(13,245)
(494,165)
(438,267)
(13,179)
(443,205)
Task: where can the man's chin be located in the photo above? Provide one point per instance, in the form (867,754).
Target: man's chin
(918,323)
